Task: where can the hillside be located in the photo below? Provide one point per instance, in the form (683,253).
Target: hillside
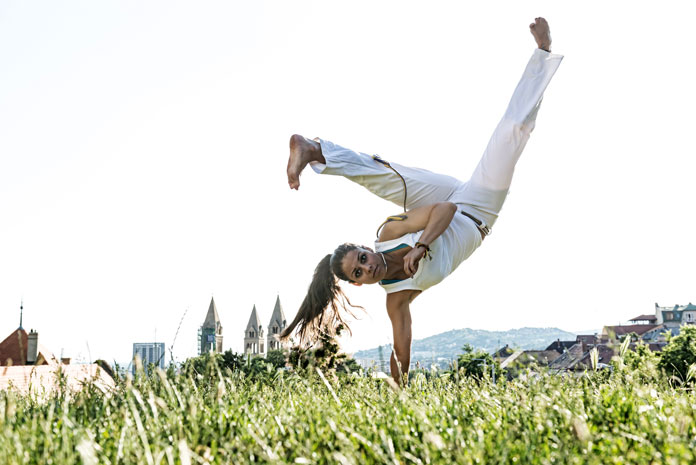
(444,347)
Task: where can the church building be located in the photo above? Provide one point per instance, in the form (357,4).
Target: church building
(253,335)
(254,341)
(210,333)
(276,326)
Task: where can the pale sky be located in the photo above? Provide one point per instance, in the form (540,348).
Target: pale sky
(143,148)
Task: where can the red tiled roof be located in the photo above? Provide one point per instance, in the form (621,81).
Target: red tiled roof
(42,379)
(542,356)
(604,355)
(644,318)
(560,346)
(586,338)
(627,329)
(13,350)
(569,358)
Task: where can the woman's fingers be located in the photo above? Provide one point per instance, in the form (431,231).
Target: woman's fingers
(411,260)
(407,265)
(411,264)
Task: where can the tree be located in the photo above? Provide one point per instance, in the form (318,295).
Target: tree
(680,353)
(474,362)
(233,360)
(276,358)
(202,364)
(325,355)
(208,364)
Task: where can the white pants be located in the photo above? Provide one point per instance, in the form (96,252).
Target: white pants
(483,195)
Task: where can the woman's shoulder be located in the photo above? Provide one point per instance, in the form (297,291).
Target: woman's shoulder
(390,231)
(396,243)
(395,227)
(408,222)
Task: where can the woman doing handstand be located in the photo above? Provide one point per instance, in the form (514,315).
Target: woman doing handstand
(446,219)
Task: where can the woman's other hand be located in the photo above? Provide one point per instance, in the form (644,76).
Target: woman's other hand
(411,260)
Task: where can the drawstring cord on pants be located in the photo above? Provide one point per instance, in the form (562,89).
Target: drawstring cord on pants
(379,159)
(483,227)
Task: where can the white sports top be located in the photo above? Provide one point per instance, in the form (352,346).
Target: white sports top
(454,245)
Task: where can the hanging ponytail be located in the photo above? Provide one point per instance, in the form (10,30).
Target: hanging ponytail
(320,311)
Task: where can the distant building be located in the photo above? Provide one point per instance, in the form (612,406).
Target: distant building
(29,367)
(149,353)
(646,328)
(210,333)
(579,357)
(652,328)
(588,339)
(564,356)
(613,333)
(510,358)
(253,335)
(42,380)
(22,348)
(254,341)
(674,317)
(644,320)
(560,346)
(276,326)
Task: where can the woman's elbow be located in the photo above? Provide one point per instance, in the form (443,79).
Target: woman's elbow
(449,207)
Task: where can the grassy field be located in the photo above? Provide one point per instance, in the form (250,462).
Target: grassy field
(620,416)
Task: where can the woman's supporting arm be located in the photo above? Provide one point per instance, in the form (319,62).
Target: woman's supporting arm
(398,309)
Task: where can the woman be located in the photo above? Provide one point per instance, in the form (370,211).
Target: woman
(445,219)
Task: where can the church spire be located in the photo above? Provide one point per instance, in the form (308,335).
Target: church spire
(211,318)
(276,326)
(21,312)
(254,321)
(210,333)
(278,316)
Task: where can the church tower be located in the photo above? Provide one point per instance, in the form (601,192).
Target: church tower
(276,326)
(210,334)
(253,336)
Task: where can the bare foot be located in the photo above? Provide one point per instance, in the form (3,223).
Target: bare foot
(302,151)
(542,34)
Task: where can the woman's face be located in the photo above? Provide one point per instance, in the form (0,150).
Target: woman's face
(363,266)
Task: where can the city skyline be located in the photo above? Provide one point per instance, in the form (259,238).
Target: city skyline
(277,313)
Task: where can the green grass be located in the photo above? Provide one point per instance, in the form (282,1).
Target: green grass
(620,417)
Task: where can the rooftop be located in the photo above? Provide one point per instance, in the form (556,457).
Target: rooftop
(43,379)
(622,330)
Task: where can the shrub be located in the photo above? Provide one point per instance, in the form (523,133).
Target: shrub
(477,363)
(680,353)
(325,355)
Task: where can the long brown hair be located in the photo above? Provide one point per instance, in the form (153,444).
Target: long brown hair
(321,308)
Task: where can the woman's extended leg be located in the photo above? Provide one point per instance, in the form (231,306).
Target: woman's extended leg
(423,187)
(484,194)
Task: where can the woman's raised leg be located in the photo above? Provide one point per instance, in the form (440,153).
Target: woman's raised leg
(423,187)
(484,194)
